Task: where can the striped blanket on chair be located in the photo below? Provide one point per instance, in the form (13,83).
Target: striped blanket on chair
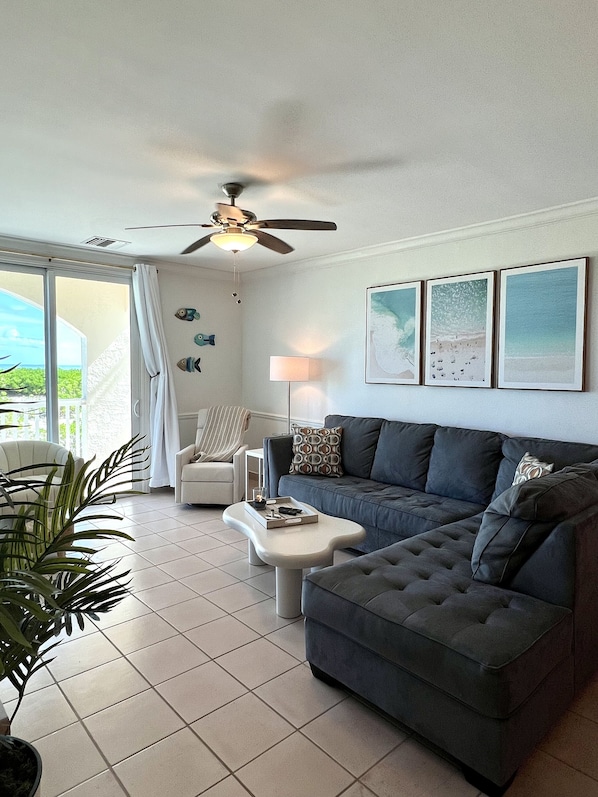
(222,434)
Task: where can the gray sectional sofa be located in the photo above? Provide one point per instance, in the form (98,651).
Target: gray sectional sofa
(473,618)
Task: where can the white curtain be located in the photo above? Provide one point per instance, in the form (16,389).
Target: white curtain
(164,421)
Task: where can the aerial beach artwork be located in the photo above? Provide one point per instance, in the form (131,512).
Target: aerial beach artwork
(393,334)
(542,326)
(459,330)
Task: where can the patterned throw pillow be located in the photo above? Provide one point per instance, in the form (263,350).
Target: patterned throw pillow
(530,467)
(317,451)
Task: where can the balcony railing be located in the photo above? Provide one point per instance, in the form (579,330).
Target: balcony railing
(29,422)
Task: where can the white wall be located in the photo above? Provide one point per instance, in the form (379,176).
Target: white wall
(318,309)
(220,379)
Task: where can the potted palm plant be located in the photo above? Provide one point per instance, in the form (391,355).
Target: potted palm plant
(49,580)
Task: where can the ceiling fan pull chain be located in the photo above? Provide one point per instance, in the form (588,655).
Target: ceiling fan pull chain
(236,280)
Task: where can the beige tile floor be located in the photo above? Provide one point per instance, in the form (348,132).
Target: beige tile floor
(193,686)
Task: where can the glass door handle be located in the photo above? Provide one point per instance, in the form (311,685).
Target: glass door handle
(136,408)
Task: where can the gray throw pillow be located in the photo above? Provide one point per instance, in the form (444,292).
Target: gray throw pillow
(520,518)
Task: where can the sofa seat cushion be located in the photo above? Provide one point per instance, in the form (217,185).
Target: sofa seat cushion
(207,472)
(344,497)
(411,512)
(415,604)
(398,510)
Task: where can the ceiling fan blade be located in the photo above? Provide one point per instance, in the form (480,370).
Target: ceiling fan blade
(294,224)
(160,226)
(234,213)
(270,242)
(197,244)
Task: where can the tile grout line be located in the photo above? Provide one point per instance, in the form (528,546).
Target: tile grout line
(261,635)
(214,660)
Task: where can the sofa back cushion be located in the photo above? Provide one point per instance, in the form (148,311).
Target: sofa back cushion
(403,454)
(554,451)
(358,442)
(521,518)
(464,463)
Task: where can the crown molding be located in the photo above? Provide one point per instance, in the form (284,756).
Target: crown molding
(25,251)
(538,218)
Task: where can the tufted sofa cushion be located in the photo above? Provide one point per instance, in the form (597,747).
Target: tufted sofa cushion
(415,604)
(411,512)
(399,511)
(344,497)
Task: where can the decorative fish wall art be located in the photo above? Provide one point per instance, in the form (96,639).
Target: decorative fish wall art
(205,340)
(189,364)
(187,313)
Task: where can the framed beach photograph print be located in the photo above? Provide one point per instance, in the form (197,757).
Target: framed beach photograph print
(542,326)
(459,330)
(393,334)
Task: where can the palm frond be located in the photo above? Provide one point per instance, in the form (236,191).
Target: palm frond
(48,577)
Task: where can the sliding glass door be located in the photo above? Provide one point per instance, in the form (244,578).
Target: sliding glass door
(70,336)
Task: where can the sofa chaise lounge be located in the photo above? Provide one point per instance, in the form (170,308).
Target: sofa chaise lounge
(473,618)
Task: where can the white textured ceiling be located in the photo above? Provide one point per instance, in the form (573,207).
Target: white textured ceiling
(393,118)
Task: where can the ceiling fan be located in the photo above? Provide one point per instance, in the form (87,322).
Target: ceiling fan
(239,229)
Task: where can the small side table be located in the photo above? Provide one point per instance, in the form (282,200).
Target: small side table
(254,453)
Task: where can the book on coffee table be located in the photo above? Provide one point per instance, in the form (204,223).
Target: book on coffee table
(271,517)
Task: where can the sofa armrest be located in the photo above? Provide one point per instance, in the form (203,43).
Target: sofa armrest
(182,458)
(278,455)
(562,571)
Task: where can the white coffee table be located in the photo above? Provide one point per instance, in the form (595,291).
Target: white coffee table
(291,548)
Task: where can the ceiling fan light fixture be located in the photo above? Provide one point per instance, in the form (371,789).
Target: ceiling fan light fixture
(233,239)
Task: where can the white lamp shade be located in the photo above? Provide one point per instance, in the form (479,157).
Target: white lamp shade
(289,369)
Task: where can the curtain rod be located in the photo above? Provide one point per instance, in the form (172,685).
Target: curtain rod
(63,259)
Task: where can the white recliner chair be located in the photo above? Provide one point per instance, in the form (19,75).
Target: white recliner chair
(39,457)
(208,482)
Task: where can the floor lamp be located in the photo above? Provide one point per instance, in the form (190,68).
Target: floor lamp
(289,369)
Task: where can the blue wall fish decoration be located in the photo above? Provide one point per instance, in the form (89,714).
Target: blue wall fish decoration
(187,313)
(205,340)
(189,364)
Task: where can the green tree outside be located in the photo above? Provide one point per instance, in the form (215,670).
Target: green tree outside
(31,382)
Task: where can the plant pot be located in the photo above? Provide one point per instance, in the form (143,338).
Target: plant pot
(20,768)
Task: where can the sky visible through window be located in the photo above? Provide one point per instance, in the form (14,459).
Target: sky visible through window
(22,335)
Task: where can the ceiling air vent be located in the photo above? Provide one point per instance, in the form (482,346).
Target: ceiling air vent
(105,243)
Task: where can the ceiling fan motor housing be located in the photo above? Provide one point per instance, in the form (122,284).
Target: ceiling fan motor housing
(232,190)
